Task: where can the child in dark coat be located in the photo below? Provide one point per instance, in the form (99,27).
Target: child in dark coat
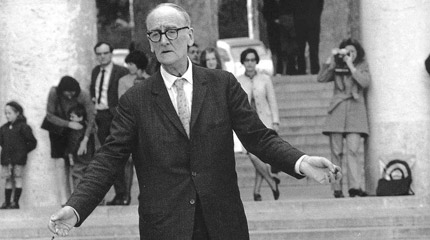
(16,140)
(78,162)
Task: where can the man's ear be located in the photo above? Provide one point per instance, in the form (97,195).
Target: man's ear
(191,37)
(150,46)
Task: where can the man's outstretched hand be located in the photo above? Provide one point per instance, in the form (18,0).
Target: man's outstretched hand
(320,169)
(62,221)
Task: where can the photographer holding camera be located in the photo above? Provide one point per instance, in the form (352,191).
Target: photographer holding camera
(347,114)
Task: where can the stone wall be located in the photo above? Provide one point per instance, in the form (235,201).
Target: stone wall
(41,41)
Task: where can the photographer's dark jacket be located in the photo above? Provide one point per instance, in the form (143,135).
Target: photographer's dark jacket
(16,141)
(347,111)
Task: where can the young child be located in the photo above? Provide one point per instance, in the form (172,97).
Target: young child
(78,162)
(16,140)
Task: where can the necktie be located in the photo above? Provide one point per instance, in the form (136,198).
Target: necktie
(182,104)
(253,105)
(101,86)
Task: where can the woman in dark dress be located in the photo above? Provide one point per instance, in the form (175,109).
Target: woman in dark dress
(61,99)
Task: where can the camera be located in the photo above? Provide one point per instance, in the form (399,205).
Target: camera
(341,67)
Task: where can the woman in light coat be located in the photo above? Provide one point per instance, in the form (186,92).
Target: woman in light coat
(261,96)
(347,114)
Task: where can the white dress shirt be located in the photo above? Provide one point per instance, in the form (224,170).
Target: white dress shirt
(169,80)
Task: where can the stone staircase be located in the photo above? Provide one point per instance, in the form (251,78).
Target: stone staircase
(372,218)
(303,103)
(306,210)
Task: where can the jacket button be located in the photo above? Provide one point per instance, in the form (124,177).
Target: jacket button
(192,201)
(193,174)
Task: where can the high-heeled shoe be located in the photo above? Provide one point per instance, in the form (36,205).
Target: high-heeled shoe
(257,197)
(276,192)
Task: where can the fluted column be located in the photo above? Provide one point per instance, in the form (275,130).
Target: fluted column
(41,41)
(396,37)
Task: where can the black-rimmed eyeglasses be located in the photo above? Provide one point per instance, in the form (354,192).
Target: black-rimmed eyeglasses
(171,34)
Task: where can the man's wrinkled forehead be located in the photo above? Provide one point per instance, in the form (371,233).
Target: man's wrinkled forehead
(167,17)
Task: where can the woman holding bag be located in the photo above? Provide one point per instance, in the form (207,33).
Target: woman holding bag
(61,99)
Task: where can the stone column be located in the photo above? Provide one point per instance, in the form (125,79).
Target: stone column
(204,20)
(253,13)
(396,37)
(41,41)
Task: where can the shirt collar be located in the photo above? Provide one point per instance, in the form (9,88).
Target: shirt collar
(108,68)
(170,79)
(251,77)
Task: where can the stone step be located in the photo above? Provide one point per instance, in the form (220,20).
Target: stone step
(284,79)
(308,111)
(300,103)
(366,218)
(301,139)
(303,121)
(368,233)
(301,86)
(285,129)
(286,95)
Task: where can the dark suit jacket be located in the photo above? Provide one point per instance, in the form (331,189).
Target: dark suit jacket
(117,73)
(173,169)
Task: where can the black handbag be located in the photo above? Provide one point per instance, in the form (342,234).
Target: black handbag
(52,128)
(388,185)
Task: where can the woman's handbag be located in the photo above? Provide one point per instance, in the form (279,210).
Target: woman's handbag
(52,128)
(395,186)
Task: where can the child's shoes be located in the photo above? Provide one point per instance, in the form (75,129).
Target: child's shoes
(5,205)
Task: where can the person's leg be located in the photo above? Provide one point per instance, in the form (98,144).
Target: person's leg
(355,165)
(8,194)
(336,148)
(7,175)
(301,45)
(120,190)
(103,120)
(265,173)
(17,177)
(274,37)
(291,64)
(257,185)
(314,41)
(78,171)
(128,176)
(63,179)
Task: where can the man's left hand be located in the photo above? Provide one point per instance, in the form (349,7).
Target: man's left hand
(320,169)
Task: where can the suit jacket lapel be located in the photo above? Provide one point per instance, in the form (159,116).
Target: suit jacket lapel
(199,92)
(163,101)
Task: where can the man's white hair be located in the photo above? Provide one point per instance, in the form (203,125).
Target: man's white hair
(177,7)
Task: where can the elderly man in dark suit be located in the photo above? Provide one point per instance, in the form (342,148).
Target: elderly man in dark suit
(178,125)
(104,92)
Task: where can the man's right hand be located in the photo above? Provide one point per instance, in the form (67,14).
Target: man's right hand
(75,125)
(62,221)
